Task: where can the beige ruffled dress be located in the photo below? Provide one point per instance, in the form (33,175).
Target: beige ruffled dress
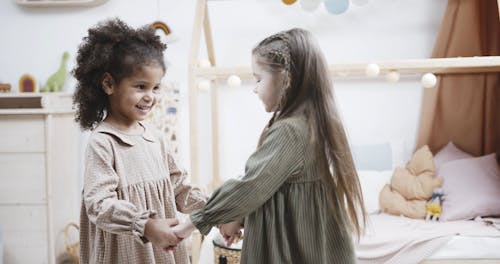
(129,178)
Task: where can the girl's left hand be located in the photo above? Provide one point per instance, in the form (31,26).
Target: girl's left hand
(183,230)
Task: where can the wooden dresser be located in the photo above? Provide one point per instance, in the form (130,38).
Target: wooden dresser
(39,175)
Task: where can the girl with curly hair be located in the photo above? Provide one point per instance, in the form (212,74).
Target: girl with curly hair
(132,186)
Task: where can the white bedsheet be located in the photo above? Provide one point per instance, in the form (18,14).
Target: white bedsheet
(394,239)
(467,247)
(388,243)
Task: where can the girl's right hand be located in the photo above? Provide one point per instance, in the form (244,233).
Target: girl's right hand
(231,231)
(159,232)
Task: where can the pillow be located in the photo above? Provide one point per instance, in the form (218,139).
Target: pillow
(449,153)
(417,180)
(411,186)
(372,157)
(471,188)
(372,183)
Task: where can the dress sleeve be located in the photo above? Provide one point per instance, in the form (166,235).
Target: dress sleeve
(100,197)
(187,197)
(280,156)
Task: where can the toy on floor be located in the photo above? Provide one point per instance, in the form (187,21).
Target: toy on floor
(56,81)
(434,206)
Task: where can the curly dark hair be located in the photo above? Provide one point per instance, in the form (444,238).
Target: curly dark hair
(115,48)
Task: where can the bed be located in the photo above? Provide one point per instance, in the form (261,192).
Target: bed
(394,239)
(472,189)
(397,239)
(463,234)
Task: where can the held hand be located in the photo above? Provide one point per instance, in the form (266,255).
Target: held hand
(159,232)
(233,239)
(183,230)
(231,232)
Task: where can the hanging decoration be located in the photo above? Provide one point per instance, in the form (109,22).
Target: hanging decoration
(335,7)
(310,5)
(289,2)
(168,36)
(161,26)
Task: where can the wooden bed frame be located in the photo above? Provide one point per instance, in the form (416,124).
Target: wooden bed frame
(216,73)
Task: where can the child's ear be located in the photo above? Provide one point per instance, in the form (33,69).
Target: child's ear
(108,84)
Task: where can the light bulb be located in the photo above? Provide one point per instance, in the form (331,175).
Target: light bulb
(233,81)
(429,80)
(372,70)
(392,76)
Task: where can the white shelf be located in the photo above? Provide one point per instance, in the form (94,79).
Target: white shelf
(33,103)
(36,202)
(31,111)
(60,3)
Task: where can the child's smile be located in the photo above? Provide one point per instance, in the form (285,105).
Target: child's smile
(132,99)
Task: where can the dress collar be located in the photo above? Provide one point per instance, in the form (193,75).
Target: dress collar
(124,137)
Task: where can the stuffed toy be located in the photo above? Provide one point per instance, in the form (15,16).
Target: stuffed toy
(434,206)
(411,187)
(56,81)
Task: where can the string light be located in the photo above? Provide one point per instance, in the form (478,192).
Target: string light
(428,80)
(233,81)
(372,70)
(392,76)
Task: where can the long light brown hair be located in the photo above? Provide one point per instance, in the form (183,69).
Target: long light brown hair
(306,88)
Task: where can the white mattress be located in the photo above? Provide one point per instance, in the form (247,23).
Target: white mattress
(468,247)
(458,247)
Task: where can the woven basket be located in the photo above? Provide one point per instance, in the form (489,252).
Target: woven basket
(72,250)
(224,255)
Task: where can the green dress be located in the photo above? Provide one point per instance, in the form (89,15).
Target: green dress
(283,201)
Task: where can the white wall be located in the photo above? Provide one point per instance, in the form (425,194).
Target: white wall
(33,40)
(374,111)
